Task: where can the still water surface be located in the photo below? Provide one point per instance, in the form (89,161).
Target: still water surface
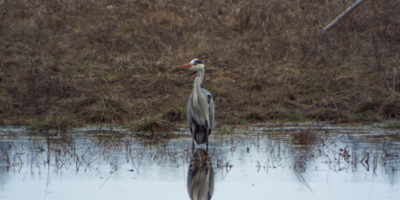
(292,161)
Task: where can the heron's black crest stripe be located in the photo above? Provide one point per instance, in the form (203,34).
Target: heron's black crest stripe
(197,61)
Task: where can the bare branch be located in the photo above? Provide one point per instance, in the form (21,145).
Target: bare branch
(347,11)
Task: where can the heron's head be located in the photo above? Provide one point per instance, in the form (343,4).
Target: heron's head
(194,65)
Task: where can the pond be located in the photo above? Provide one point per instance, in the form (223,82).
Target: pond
(287,161)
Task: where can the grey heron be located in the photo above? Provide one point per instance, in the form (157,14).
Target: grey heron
(200,107)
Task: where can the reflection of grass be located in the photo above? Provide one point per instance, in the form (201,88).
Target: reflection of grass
(305,137)
(97,148)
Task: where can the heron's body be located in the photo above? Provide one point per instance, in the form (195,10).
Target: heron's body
(200,108)
(205,118)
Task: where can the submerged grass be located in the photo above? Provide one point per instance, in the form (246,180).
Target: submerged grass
(107,61)
(393,126)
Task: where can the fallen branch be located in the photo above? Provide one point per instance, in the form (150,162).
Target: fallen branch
(347,11)
(178,84)
(183,83)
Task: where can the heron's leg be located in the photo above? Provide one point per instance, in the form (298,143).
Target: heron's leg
(207,139)
(192,142)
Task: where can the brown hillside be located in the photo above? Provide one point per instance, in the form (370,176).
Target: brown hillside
(69,62)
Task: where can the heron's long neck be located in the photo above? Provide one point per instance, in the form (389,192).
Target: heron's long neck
(197,81)
(199,100)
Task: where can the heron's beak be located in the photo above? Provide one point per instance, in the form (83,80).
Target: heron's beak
(187,65)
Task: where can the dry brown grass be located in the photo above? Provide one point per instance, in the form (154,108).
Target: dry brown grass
(115,61)
(153,125)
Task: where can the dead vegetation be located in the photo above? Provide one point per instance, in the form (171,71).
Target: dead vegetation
(109,61)
(152,125)
(305,138)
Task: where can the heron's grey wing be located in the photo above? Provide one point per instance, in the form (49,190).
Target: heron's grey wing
(212,111)
(210,107)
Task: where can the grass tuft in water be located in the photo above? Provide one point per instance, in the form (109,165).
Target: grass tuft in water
(305,137)
(62,123)
(152,125)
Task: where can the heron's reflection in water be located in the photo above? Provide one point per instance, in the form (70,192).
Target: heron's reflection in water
(200,179)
